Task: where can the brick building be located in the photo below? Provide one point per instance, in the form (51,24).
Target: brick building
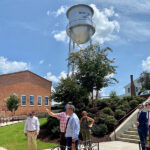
(32,90)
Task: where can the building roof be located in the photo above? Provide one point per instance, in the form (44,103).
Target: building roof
(23,76)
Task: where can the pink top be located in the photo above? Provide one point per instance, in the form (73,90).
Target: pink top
(63,117)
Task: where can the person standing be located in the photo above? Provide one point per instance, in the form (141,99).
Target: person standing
(148,118)
(86,123)
(73,129)
(31,130)
(63,118)
(142,125)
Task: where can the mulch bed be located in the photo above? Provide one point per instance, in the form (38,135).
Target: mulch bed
(45,137)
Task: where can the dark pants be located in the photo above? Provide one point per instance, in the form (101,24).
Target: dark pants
(142,139)
(63,141)
(69,143)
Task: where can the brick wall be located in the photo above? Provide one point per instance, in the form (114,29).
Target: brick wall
(25,88)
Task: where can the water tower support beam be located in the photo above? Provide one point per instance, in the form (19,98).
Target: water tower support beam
(69,55)
(73,66)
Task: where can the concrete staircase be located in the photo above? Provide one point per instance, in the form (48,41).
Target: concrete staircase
(130,135)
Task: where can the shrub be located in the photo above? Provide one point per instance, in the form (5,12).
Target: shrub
(99,130)
(140,99)
(128,98)
(124,107)
(119,114)
(53,127)
(103,103)
(133,103)
(91,115)
(108,111)
(109,121)
(93,110)
(101,118)
(114,103)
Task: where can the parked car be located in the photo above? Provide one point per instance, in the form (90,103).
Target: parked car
(145,92)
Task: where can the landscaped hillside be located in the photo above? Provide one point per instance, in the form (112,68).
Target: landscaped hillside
(106,112)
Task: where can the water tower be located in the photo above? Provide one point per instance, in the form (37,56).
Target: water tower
(80,28)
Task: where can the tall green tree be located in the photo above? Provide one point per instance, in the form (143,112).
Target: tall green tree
(93,68)
(70,91)
(145,80)
(12,103)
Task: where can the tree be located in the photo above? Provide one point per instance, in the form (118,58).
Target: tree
(12,103)
(70,91)
(93,68)
(113,94)
(145,80)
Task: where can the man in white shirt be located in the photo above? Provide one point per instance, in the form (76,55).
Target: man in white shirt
(31,130)
(73,129)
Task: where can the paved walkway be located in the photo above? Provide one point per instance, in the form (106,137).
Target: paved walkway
(1,148)
(9,123)
(117,145)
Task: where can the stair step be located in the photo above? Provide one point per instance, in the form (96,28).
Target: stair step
(131,132)
(128,140)
(132,129)
(136,137)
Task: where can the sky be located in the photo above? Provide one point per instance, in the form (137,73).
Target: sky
(33,37)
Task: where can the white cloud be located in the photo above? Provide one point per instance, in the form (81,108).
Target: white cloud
(61,36)
(7,66)
(61,10)
(110,76)
(110,12)
(54,78)
(103,92)
(146,64)
(63,75)
(52,89)
(41,62)
(104,27)
(51,77)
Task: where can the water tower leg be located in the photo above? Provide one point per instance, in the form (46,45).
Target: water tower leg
(69,55)
(73,66)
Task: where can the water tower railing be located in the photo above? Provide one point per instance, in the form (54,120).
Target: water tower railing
(73,23)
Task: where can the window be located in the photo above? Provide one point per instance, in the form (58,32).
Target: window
(128,90)
(46,100)
(136,89)
(31,100)
(23,100)
(39,100)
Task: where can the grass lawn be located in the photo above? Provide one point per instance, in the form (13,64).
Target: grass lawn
(12,137)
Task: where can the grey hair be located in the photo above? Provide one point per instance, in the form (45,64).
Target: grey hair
(72,107)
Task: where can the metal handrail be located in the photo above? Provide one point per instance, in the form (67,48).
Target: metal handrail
(124,117)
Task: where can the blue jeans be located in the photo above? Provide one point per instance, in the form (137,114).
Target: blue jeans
(142,139)
(69,143)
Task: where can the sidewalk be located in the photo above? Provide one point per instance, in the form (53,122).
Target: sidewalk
(117,145)
(9,123)
(1,148)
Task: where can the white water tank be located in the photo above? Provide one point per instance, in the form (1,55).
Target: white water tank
(80,27)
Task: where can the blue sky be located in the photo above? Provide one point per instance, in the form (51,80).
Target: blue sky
(32,36)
